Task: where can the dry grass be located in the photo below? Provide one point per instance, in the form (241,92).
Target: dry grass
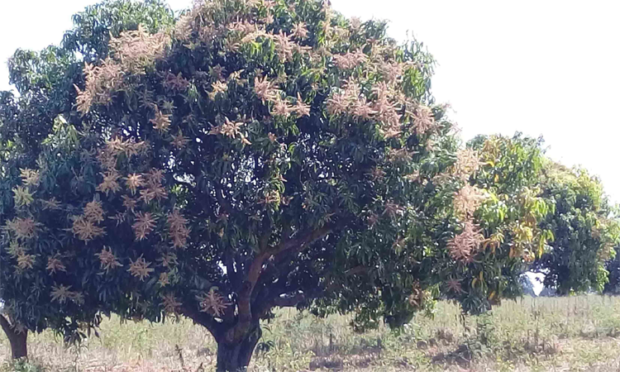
(543,334)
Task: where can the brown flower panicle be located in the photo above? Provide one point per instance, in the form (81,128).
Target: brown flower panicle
(213,303)
(164,279)
(133,182)
(281,108)
(467,200)
(177,227)
(23,228)
(265,90)
(218,87)
(54,264)
(144,225)
(129,203)
(230,129)
(101,82)
(454,286)
(137,50)
(93,211)
(110,182)
(108,260)
(393,210)
(179,141)
(140,268)
(85,229)
(467,164)
(301,108)
(25,261)
(284,46)
(423,120)
(176,82)
(464,245)
(161,122)
(170,303)
(299,30)
(349,60)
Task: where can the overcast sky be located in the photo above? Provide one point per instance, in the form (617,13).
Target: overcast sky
(549,68)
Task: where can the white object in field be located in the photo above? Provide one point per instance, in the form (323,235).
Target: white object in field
(532,283)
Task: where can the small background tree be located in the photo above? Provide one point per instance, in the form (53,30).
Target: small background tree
(586,231)
(499,206)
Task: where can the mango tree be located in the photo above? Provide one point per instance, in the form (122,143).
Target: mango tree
(41,279)
(256,155)
(586,231)
(497,207)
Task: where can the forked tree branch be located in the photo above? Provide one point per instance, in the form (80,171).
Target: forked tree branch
(292,245)
(256,267)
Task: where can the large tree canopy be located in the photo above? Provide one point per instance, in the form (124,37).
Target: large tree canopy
(249,155)
(243,160)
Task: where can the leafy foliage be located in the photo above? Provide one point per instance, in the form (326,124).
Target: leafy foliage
(94,27)
(586,231)
(500,207)
(44,284)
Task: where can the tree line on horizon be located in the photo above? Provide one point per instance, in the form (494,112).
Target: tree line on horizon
(246,155)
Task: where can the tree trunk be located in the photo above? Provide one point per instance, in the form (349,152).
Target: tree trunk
(19,345)
(236,357)
(18,341)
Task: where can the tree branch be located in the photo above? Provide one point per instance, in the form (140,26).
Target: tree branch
(256,267)
(6,326)
(291,245)
(300,243)
(255,270)
(357,270)
(204,320)
(351,272)
(225,204)
(230,270)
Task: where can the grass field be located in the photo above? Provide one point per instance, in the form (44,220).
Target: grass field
(542,334)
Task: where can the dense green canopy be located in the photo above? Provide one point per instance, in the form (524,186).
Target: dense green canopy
(586,231)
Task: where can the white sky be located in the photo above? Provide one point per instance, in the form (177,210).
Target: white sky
(548,68)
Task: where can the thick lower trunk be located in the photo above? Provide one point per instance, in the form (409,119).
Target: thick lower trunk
(19,345)
(17,340)
(236,357)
